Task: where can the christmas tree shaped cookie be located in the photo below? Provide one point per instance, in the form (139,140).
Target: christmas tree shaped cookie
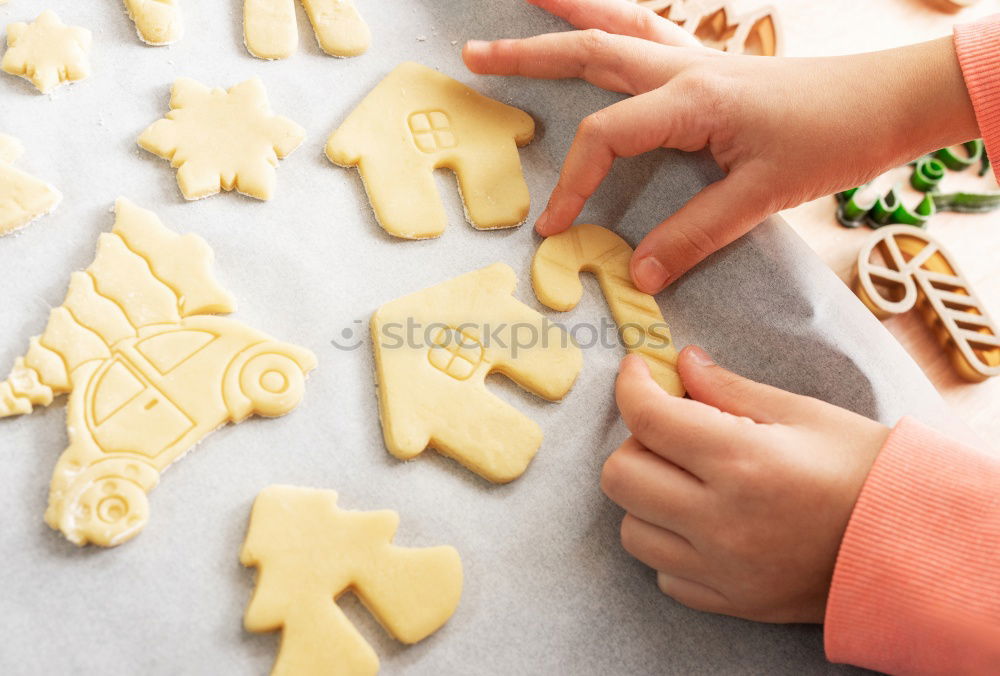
(149,370)
(23,198)
(222,140)
(308,551)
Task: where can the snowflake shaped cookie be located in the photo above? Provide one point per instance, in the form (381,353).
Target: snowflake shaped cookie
(222,140)
(47,52)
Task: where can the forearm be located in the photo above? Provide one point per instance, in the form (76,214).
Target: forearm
(925,85)
(894,105)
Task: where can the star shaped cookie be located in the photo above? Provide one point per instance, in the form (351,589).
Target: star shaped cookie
(47,52)
(222,140)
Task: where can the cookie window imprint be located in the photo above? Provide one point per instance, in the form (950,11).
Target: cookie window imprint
(432,131)
(455,353)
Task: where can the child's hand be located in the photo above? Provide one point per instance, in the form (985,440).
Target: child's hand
(784,130)
(739,496)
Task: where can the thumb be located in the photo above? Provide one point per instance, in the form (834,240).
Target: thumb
(711,384)
(719,214)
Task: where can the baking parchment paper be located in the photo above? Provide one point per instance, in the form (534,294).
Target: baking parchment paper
(548,588)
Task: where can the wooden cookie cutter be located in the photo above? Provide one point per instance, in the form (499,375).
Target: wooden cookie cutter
(919,271)
(717,25)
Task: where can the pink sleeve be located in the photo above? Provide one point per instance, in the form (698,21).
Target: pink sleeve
(978,48)
(916,588)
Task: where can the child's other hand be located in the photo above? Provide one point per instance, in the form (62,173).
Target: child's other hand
(784,130)
(739,496)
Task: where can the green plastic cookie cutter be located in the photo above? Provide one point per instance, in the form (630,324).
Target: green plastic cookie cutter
(889,210)
(850,212)
(955,162)
(885,210)
(927,173)
(967,202)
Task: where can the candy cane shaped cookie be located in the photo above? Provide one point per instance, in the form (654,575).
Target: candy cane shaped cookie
(918,271)
(555,276)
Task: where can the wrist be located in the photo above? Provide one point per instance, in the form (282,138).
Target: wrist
(930,95)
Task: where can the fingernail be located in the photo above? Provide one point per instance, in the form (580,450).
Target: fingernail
(699,356)
(650,275)
(475,44)
(541,223)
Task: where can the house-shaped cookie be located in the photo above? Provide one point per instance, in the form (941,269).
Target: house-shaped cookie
(418,120)
(433,351)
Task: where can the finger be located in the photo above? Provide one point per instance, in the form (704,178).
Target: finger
(624,129)
(693,594)
(711,384)
(651,488)
(621,17)
(683,431)
(615,62)
(659,548)
(713,218)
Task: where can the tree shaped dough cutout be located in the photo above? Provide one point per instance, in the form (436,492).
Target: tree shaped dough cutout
(47,52)
(23,198)
(158,22)
(308,551)
(417,120)
(150,372)
(270,30)
(555,275)
(431,383)
(222,140)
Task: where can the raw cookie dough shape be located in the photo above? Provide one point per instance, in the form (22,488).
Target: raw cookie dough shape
(916,270)
(308,552)
(418,120)
(270,31)
(555,276)
(222,140)
(158,22)
(47,52)
(23,198)
(149,371)
(431,386)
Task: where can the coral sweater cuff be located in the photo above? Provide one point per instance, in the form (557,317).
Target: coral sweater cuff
(916,587)
(978,48)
